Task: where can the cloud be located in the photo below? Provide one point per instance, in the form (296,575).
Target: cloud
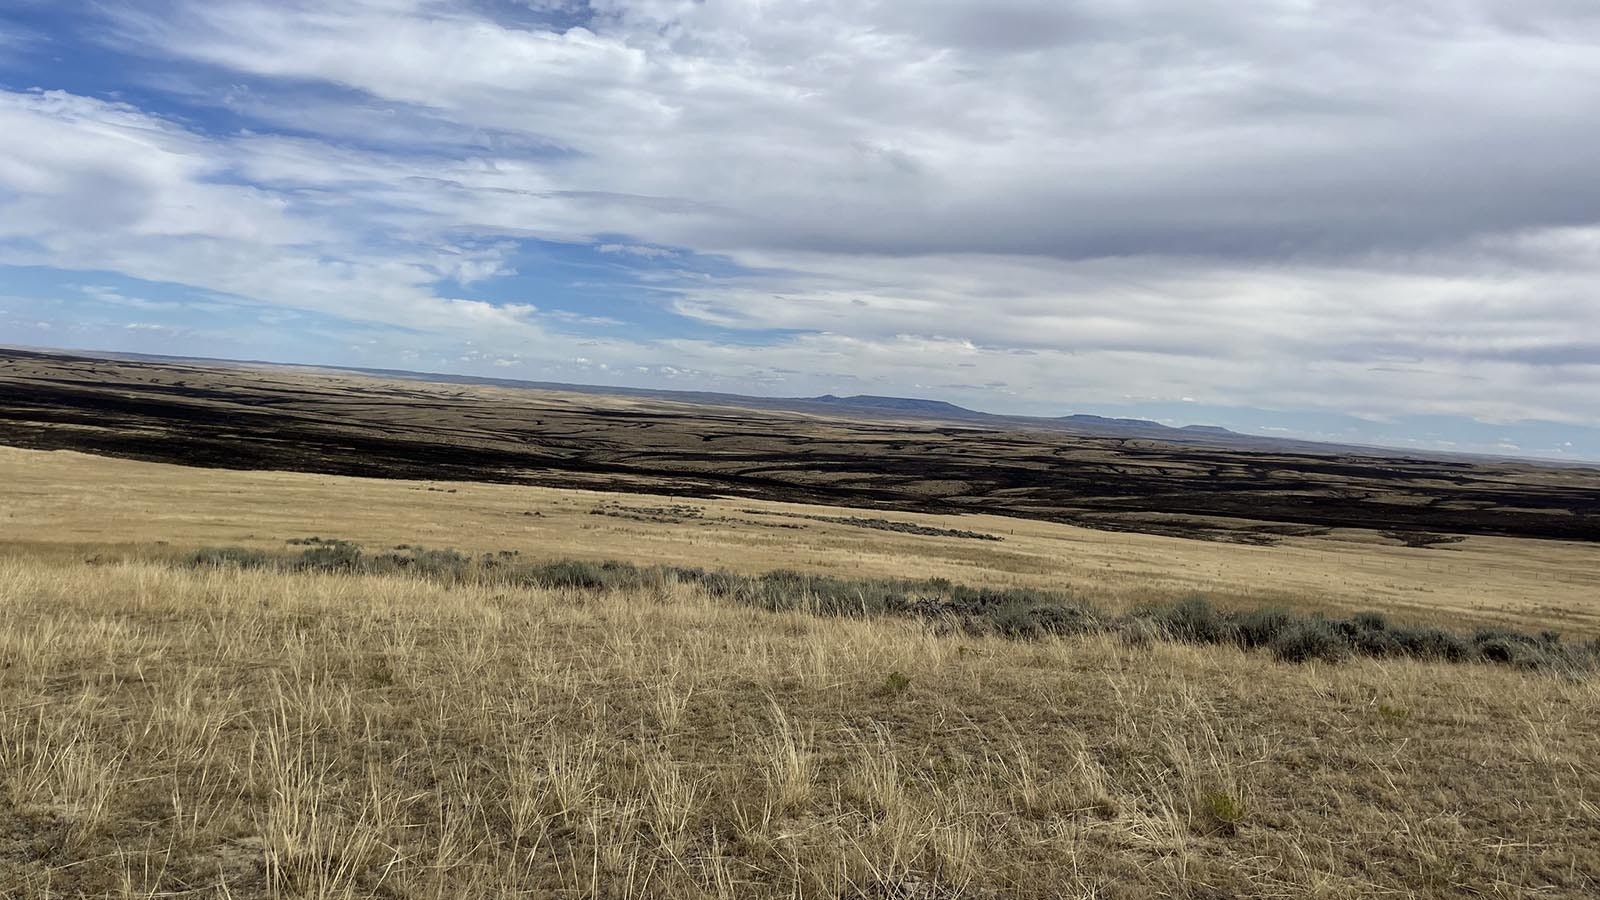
(1073,130)
(1352,206)
(101,185)
(639,250)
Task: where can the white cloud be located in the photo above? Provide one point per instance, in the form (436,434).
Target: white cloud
(639,250)
(1072,129)
(98,185)
(1351,206)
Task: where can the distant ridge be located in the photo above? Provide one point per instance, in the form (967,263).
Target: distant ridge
(1082,422)
(1089,421)
(863,406)
(890,407)
(902,404)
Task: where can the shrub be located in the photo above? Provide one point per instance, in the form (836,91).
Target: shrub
(1367,633)
(1310,639)
(1017,613)
(1061,619)
(446,564)
(987,601)
(578,575)
(820,594)
(719,584)
(687,574)
(778,591)
(233,557)
(1032,622)
(1221,812)
(1500,650)
(1195,621)
(1516,649)
(895,684)
(1259,628)
(1139,631)
(1369,621)
(337,556)
(1430,643)
(1013,621)
(1395,714)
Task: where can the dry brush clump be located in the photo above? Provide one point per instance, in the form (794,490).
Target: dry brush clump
(1019,613)
(263,730)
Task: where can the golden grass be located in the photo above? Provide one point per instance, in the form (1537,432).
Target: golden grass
(224,733)
(73,505)
(175,732)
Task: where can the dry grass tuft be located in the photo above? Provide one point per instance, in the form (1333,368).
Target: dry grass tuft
(256,733)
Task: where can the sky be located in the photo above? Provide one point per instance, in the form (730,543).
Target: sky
(1366,221)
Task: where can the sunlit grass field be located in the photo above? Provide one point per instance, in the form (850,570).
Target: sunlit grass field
(168,729)
(72,506)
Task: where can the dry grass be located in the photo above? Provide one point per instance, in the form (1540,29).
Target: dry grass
(226,733)
(234,733)
(74,505)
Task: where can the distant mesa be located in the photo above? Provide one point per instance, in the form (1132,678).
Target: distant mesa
(1080,421)
(1107,422)
(903,404)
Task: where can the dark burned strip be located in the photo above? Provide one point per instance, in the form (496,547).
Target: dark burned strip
(247,419)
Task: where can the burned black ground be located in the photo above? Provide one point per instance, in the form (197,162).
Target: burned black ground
(263,418)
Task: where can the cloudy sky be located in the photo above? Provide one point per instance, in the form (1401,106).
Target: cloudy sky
(1359,220)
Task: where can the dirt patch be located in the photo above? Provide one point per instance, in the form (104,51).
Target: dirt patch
(1422,539)
(676,514)
(892,525)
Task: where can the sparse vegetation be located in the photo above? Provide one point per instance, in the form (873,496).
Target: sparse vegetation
(892,525)
(896,683)
(1396,714)
(233,557)
(453,726)
(675,514)
(361,717)
(1222,812)
(1305,640)
(1423,539)
(1020,614)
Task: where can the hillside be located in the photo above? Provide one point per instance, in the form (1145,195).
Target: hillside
(271,721)
(262,418)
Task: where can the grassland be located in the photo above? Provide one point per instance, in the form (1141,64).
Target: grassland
(222,732)
(168,730)
(72,506)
